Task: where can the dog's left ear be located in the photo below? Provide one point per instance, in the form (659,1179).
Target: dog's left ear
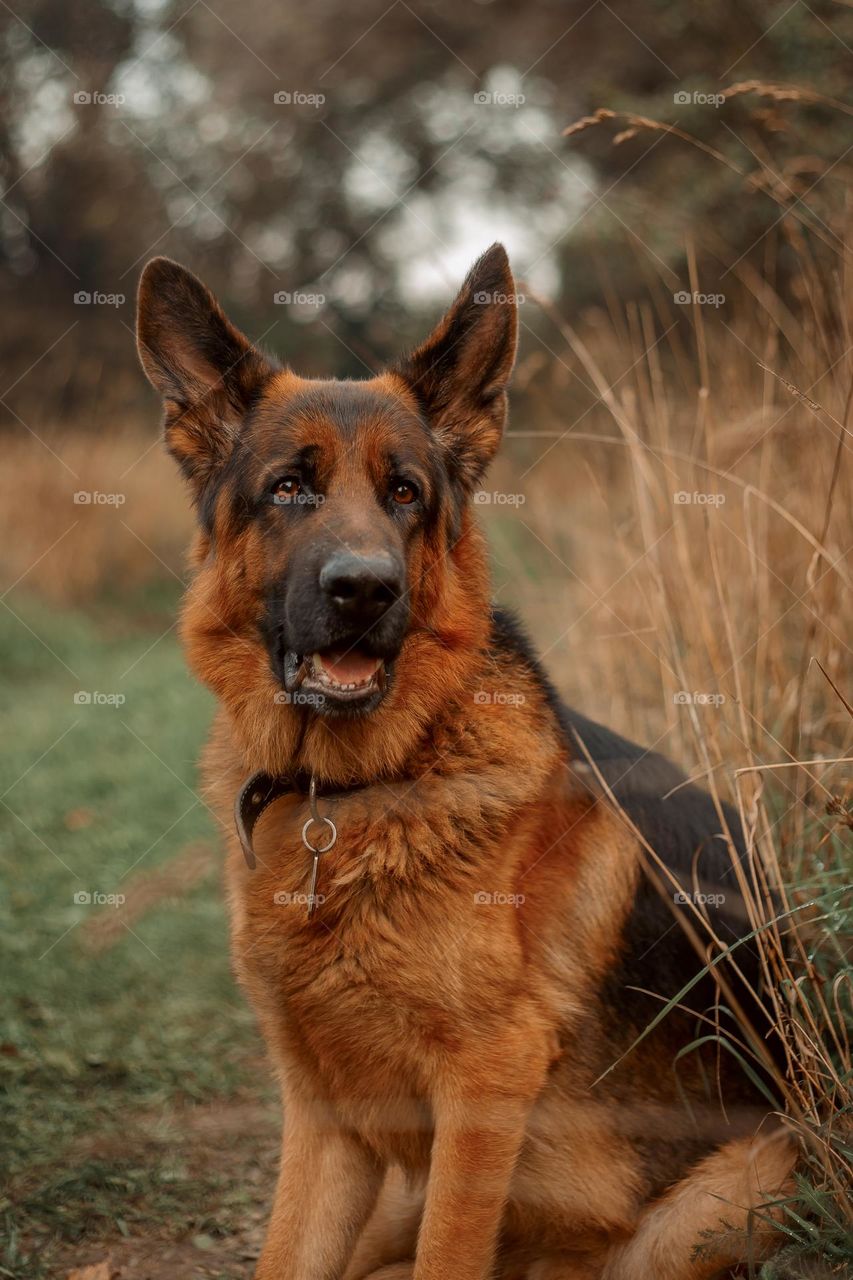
(461,373)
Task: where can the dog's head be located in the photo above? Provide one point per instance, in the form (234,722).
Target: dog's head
(335,536)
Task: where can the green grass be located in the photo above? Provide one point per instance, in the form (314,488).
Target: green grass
(93,1041)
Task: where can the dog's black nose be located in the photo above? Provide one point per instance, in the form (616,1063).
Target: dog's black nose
(362,586)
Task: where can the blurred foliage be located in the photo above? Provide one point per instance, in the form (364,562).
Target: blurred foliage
(379,195)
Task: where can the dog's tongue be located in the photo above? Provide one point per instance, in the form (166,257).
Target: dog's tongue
(347,666)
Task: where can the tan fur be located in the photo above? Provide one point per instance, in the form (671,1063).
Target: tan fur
(717,1217)
(724,1205)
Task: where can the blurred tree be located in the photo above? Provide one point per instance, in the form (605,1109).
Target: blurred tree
(365,153)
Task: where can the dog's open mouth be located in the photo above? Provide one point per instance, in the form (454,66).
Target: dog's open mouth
(342,675)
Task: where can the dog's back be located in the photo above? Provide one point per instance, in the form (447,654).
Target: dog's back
(694,855)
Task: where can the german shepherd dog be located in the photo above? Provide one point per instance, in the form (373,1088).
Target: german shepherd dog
(457,906)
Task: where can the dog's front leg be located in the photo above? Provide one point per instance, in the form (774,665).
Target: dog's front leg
(480,1121)
(327,1186)
(470,1172)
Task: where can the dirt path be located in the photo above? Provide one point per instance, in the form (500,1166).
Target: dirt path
(231,1147)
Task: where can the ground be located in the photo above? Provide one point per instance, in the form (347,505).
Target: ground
(139,1113)
(206,1173)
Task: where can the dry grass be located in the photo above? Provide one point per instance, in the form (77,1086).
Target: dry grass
(718,629)
(73,552)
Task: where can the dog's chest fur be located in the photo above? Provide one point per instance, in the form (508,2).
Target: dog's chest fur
(416,955)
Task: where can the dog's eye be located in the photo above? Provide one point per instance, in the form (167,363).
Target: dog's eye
(403,492)
(286,489)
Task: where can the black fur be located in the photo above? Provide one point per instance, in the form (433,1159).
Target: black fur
(684,829)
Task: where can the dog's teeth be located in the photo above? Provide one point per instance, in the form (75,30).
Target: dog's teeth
(301,672)
(316,668)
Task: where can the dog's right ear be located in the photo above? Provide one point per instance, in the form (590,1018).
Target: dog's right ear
(208,373)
